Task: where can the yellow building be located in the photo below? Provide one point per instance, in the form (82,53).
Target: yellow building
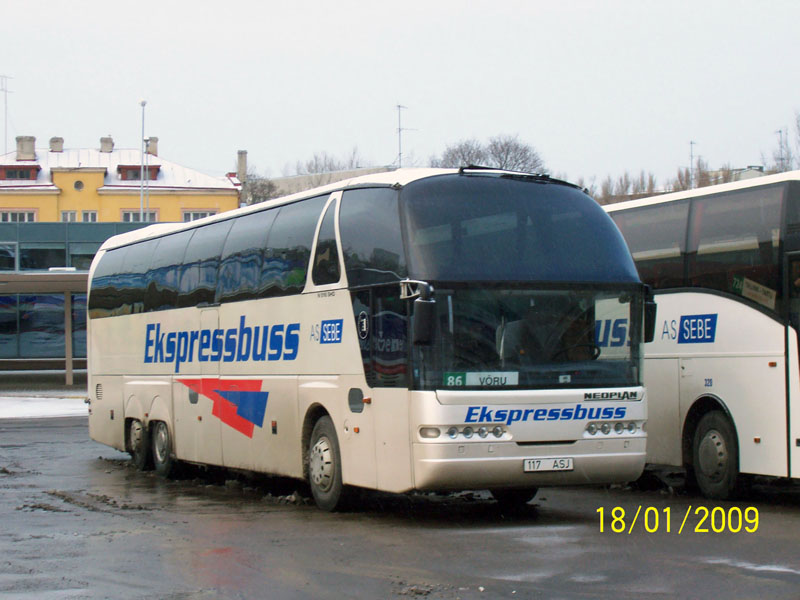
(104,185)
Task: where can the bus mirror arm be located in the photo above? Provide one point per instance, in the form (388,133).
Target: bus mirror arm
(649,315)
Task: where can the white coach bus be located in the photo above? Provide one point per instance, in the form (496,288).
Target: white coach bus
(722,373)
(420,329)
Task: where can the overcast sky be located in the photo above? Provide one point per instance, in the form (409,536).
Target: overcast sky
(596,87)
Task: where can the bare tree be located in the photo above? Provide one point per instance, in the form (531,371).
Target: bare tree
(501,152)
(462,154)
(507,152)
(257,188)
(607,191)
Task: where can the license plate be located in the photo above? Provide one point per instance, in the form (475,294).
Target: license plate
(530,465)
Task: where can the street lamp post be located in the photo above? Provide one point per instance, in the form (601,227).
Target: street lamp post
(141,172)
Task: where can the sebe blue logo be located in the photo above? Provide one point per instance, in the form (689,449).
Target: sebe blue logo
(328,332)
(697,329)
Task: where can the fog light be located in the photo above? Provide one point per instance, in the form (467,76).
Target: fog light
(429,432)
(606,428)
(631,427)
(619,427)
(591,428)
(467,431)
(483,432)
(498,431)
(453,432)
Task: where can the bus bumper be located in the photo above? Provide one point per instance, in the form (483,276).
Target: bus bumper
(486,465)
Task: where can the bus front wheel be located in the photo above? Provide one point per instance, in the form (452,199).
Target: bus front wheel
(325,466)
(715,456)
(163,460)
(139,445)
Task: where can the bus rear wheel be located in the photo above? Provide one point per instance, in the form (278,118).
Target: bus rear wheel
(715,456)
(325,466)
(163,460)
(139,445)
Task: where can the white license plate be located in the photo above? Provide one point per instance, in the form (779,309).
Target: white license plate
(530,465)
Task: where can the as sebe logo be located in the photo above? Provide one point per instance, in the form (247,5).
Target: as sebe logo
(328,332)
(692,329)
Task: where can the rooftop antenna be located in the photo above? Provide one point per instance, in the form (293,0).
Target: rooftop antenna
(4,88)
(781,168)
(400,108)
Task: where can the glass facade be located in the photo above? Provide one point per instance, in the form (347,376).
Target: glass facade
(32,325)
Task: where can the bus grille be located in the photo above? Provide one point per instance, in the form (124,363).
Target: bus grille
(98,391)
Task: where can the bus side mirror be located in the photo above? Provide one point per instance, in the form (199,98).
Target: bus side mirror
(424,321)
(649,316)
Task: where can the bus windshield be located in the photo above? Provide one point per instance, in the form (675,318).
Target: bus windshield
(527,338)
(476,228)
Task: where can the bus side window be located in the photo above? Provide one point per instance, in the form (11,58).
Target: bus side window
(104,295)
(134,272)
(162,277)
(372,245)
(240,264)
(326,256)
(286,258)
(198,279)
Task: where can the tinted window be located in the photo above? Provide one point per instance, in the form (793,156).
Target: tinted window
(198,281)
(734,243)
(656,236)
(9,327)
(41,325)
(240,267)
(104,297)
(42,255)
(163,276)
(466,228)
(326,257)
(285,264)
(82,253)
(8,253)
(372,244)
(132,280)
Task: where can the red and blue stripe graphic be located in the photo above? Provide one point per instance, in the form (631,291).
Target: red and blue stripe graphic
(238,403)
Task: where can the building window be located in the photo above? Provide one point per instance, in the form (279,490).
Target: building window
(193,215)
(17,216)
(8,256)
(134,172)
(89,216)
(23,173)
(39,256)
(69,216)
(132,216)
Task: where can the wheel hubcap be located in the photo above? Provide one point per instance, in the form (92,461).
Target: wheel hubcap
(320,464)
(161,446)
(713,455)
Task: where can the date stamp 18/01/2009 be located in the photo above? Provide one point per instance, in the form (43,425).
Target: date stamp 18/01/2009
(696,519)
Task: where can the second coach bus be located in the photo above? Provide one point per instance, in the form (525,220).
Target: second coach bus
(722,373)
(420,329)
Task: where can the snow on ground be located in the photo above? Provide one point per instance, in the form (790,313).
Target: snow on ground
(31,407)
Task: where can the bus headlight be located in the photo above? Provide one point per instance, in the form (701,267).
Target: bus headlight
(467,431)
(619,427)
(483,432)
(631,427)
(498,432)
(591,428)
(453,432)
(606,428)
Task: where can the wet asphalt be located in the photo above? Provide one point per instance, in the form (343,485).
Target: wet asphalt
(78,521)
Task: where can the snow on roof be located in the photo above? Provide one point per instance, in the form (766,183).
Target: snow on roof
(170,175)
